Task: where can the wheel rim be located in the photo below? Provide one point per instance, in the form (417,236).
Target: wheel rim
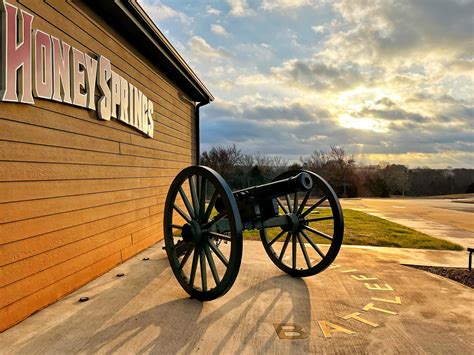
(315,233)
(205,261)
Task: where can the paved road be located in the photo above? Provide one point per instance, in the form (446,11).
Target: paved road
(366,303)
(452,220)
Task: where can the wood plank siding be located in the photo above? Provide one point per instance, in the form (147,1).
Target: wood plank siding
(79,195)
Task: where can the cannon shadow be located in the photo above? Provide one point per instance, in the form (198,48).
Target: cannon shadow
(181,325)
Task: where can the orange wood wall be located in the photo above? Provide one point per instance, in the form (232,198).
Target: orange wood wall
(78,195)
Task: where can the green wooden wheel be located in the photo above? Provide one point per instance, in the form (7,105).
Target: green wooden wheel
(205,262)
(314,236)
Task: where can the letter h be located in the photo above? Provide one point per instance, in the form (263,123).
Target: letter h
(16,55)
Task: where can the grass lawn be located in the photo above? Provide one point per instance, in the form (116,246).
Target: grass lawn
(363,229)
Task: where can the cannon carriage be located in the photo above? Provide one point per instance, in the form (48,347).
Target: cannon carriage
(297,215)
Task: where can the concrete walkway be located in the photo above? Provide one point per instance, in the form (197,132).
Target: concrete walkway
(366,303)
(441,218)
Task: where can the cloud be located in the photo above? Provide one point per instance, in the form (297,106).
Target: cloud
(270,5)
(201,47)
(240,8)
(384,78)
(400,28)
(219,30)
(298,129)
(319,75)
(212,11)
(318,29)
(159,11)
(394,115)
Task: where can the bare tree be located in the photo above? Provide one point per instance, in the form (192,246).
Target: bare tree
(316,161)
(398,178)
(278,164)
(222,159)
(341,166)
(271,165)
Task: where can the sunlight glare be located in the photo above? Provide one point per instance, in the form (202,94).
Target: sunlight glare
(362,123)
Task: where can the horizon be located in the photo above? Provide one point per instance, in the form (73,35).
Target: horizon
(292,77)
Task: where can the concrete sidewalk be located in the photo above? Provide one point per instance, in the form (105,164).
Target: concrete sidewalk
(366,303)
(441,218)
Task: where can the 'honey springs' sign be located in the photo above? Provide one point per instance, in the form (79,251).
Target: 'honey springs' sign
(36,64)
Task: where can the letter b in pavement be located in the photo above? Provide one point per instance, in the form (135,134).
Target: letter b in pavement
(290,331)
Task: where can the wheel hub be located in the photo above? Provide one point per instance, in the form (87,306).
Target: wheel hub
(293,223)
(192,232)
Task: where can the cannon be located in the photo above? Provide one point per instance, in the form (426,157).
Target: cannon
(204,223)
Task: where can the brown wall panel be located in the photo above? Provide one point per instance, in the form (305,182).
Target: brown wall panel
(19,132)
(26,152)
(58,254)
(15,312)
(79,195)
(26,248)
(33,190)
(24,210)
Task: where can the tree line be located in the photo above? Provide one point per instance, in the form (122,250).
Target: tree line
(341,170)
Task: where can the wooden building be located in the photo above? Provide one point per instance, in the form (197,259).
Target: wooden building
(98,113)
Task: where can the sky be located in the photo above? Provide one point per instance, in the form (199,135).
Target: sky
(388,80)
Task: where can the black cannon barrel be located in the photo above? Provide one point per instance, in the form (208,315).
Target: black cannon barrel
(300,182)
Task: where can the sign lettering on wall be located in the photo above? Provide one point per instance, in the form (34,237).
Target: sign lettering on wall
(35,64)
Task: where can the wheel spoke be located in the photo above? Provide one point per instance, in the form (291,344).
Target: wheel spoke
(194,267)
(324,235)
(186,202)
(288,203)
(212,202)
(202,197)
(203,270)
(219,254)
(212,265)
(282,206)
(293,251)
(220,236)
(305,252)
(182,213)
(310,241)
(309,210)
(318,219)
(185,258)
(277,237)
(295,206)
(192,187)
(216,218)
(285,245)
(303,203)
(181,247)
